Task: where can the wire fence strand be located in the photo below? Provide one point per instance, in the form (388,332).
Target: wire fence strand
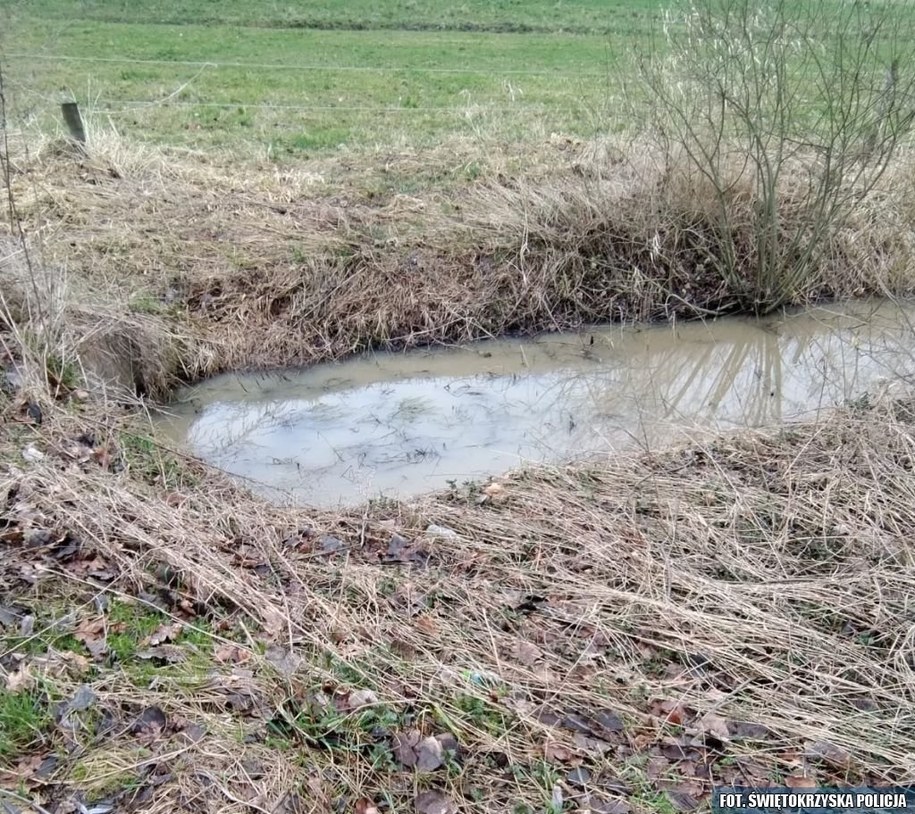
(279,66)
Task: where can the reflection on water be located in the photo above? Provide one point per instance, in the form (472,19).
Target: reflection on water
(400,424)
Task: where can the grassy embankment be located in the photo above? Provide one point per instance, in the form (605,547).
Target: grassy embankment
(614,636)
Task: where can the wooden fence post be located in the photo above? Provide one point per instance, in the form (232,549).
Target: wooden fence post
(74,122)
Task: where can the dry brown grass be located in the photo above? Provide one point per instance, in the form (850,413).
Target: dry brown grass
(184,267)
(763,578)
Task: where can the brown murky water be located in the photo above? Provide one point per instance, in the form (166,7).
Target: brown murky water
(402,424)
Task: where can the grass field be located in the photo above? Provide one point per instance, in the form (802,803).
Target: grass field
(287,183)
(190,79)
(288,81)
(525,16)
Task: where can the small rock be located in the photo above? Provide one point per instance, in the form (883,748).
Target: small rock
(441,531)
(330,544)
(32,454)
(12,380)
(38,538)
(80,395)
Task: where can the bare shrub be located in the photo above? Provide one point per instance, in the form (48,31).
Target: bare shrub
(786,115)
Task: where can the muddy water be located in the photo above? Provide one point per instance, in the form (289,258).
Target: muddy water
(401,424)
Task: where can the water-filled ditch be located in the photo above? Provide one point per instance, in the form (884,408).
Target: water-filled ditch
(398,424)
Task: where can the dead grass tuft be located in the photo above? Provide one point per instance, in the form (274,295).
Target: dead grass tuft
(219,268)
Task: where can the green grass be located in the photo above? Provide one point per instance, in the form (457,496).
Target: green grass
(25,718)
(295,79)
(299,91)
(147,460)
(580,16)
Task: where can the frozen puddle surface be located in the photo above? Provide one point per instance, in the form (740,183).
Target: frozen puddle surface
(401,424)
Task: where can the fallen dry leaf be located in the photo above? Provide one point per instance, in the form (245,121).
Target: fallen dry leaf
(493,492)
(525,653)
(149,725)
(402,550)
(175,500)
(798,781)
(28,767)
(598,805)
(593,746)
(166,653)
(69,663)
(231,653)
(165,633)
(20,679)
(90,629)
(102,457)
(424,754)
(427,625)
(830,753)
(681,800)
(579,777)
(745,730)
(361,698)
(92,633)
(290,803)
(669,710)
(433,802)
(714,725)
(285,661)
(82,699)
(365,806)
(403,746)
(429,755)
(557,752)
(275,623)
